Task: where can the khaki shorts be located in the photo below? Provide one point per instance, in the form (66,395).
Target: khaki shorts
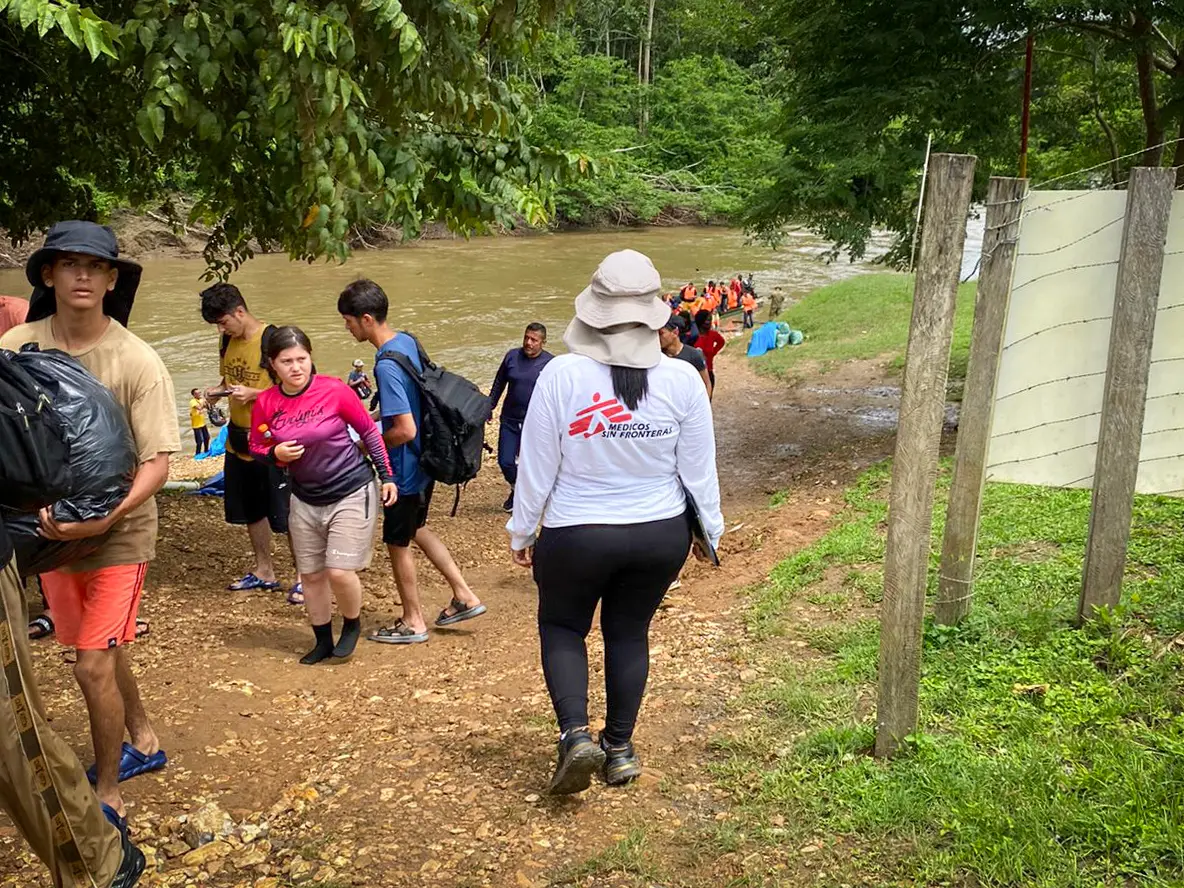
(339,536)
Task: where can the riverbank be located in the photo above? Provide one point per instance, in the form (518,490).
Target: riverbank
(148,235)
(864,318)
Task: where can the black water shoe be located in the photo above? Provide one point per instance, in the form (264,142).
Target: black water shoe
(579,759)
(621,764)
(132,866)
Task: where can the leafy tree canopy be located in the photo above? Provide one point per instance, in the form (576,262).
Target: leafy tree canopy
(291,121)
(865,83)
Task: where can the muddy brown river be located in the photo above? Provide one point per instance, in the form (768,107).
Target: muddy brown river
(468,301)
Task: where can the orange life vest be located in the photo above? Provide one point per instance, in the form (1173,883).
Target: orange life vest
(748,302)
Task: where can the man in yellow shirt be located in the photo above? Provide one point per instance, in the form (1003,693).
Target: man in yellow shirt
(198,422)
(256,494)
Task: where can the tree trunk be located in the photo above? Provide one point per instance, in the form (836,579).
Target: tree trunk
(649,42)
(1145,64)
(647,75)
(1107,130)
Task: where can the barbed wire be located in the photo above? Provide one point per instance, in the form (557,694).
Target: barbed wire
(1057,271)
(1107,163)
(1046,424)
(1076,241)
(1152,459)
(1028,459)
(1037,385)
(1023,339)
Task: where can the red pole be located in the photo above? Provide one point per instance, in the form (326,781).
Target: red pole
(1027,114)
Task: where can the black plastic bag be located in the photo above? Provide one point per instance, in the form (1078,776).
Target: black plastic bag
(102,459)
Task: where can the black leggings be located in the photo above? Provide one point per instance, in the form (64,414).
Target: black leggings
(627,568)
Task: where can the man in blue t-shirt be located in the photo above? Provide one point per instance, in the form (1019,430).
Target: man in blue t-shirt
(516,376)
(364,307)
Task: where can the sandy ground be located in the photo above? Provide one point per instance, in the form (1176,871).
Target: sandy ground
(427,765)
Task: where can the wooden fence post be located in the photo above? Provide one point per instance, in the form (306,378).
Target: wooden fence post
(1005,201)
(918,437)
(1136,298)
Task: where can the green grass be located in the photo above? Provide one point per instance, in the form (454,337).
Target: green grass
(629,856)
(1047,755)
(863,317)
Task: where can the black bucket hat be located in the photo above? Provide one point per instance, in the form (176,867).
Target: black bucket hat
(90,239)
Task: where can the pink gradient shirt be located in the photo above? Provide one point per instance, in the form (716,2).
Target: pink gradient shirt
(319,418)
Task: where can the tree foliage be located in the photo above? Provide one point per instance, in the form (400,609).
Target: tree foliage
(291,120)
(865,83)
(691,142)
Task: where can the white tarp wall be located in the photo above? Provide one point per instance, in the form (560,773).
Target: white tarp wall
(1055,345)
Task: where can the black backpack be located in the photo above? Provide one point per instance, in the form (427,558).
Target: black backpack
(452,422)
(35,470)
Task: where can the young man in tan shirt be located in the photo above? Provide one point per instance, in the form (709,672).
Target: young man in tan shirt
(79,308)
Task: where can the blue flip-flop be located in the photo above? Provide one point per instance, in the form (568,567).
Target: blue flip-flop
(133,763)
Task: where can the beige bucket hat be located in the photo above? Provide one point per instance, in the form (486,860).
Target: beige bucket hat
(619,314)
(626,289)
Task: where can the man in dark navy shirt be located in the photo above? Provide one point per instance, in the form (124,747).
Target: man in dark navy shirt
(516,376)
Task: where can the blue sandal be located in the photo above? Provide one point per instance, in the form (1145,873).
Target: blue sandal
(250,581)
(460,613)
(133,763)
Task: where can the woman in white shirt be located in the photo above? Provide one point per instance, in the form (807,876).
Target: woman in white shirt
(616,439)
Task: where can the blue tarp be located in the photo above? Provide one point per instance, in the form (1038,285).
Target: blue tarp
(218,445)
(216,486)
(764,339)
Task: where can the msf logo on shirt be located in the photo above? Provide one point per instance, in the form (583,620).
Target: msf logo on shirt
(594,420)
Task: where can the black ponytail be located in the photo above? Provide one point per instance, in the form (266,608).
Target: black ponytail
(630,385)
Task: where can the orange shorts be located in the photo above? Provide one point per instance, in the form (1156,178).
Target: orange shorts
(95,610)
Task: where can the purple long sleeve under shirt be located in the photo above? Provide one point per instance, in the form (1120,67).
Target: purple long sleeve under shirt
(319,418)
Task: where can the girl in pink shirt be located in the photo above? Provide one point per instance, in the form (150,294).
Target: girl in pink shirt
(302,424)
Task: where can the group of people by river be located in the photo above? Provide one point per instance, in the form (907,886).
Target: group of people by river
(609,452)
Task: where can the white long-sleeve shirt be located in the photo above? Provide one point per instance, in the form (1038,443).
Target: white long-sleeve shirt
(587,459)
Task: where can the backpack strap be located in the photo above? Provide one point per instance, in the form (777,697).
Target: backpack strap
(404,363)
(267,331)
(423,355)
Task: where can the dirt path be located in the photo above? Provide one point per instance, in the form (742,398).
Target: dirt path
(427,765)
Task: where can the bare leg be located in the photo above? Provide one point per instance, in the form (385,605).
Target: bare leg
(293,551)
(138,727)
(441,559)
(318,601)
(347,589)
(403,565)
(260,533)
(95,671)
